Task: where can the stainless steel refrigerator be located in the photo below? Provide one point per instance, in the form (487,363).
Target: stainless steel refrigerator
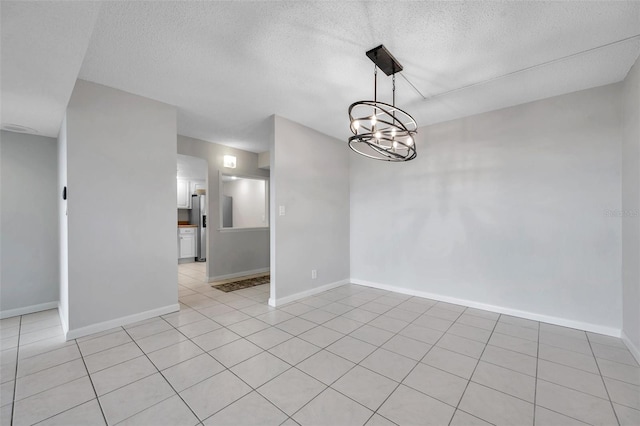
(198,216)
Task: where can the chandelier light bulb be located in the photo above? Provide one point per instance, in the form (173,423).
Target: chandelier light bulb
(356,124)
(410,141)
(373,120)
(395,144)
(393,132)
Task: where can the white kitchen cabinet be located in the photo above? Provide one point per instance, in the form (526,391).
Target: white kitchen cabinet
(184,194)
(186,243)
(198,184)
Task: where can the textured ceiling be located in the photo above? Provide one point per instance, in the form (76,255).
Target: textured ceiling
(42,45)
(227,66)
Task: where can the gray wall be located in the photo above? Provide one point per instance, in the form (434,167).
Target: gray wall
(63,228)
(507,209)
(310,178)
(631,209)
(121,174)
(230,253)
(249,202)
(29,222)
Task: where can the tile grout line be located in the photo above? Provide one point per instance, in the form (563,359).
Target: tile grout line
(226,369)
(474,371)
(321,348)
(37,330)
(337,301)
(378,347)
(358,363)
(15,373)
(556,384)
(535,387)
(603,382)
(263,350)
(127,384)
(91,381)
(100,335)
(566,415)
(49,368)
(52,366)
(64,411)
(493,363)
(61,384)
(396,306)
(163,376)
(46,351)
(39,340)
(419,361)
(329,386)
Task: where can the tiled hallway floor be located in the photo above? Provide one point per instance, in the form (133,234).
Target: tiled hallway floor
(348,356)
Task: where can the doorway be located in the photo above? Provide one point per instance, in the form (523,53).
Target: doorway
(192,209)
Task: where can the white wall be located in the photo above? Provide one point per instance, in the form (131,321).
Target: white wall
(631,210)
(121,177)
(506,209)
(191,168)
(29,223)
(264,161)
(249,203)
(237,252)
(310,178)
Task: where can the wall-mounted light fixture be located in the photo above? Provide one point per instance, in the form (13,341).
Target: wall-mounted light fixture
(230,161)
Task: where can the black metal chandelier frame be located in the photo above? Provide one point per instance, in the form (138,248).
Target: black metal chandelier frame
(380,130)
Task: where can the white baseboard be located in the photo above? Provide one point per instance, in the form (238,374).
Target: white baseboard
(288,299)
(118,322)
(635,351)
(237,274)
(595,328)
(7,313)
(63,321)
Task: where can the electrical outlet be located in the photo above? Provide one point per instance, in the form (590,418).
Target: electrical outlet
(314,274)
(282,211)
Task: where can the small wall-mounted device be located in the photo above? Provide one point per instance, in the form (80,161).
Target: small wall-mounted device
(64,193)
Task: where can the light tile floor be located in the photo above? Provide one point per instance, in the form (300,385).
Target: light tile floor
(351,355)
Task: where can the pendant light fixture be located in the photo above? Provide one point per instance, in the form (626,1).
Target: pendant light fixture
(380,130)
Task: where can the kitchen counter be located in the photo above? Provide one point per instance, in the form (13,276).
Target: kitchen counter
(180,225)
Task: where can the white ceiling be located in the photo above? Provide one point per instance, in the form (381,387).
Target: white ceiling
(42,45)
(227,66)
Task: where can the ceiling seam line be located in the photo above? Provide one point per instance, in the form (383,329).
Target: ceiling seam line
(426,98)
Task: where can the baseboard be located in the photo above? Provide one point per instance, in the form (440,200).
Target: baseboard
(288,299)
(118,322)
(609,331)
(237,274)
(635,351)
(28,309)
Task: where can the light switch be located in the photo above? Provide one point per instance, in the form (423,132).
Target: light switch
(282,211)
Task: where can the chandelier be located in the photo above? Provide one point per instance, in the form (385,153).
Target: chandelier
(380,130)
